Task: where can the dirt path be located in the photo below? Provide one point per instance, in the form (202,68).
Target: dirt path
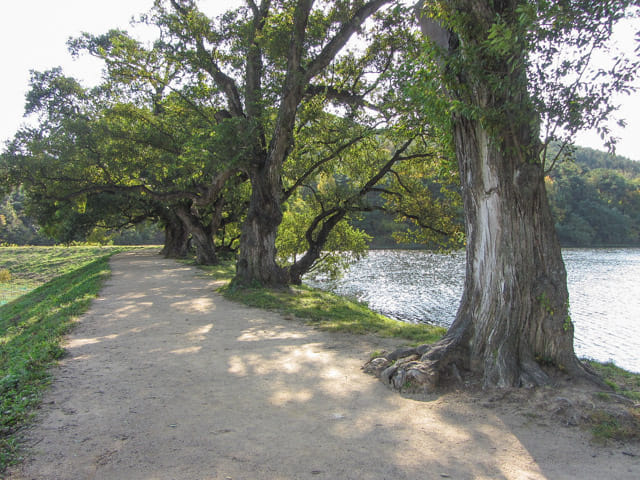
(167,380)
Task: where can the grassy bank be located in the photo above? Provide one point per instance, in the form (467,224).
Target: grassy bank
(607,426)
(29,267)
(61,283)
(331,312)
(323,309)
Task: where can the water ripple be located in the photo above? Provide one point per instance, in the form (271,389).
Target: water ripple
(425,287)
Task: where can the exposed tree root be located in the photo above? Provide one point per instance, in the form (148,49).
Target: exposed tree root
(420,369)
(426,368)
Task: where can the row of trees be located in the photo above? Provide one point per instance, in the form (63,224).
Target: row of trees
(222,161)
(595,201)
(274,125)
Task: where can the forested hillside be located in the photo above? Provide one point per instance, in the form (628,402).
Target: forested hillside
(595,200)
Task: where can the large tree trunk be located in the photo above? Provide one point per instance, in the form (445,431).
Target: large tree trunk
(257,252)
(514,314)
(200,234)
(205,248)
(512,327)
(176,238)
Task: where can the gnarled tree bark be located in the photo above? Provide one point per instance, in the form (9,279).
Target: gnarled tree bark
(513,327)
(257,259)
(201,235)
(176,237)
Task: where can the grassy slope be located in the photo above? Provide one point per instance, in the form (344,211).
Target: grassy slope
(30,267)
(606,426)
(32,325)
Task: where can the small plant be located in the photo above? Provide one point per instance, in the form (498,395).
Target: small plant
(606,427)
(567,321)
(545,361)
(546,303)
(5,276)
(409,386)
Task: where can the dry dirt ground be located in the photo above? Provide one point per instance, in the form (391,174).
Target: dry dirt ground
(165,379)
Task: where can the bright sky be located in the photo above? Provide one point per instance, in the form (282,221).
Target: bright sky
(33,35)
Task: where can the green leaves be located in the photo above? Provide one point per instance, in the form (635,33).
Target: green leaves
(537,61)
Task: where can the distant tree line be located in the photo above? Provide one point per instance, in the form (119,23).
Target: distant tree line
(595,200)
(594,197)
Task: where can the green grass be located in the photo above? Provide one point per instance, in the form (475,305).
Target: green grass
(623,382)
(32,326)
(30,267)
(331,312)
(606,426)
(224,271)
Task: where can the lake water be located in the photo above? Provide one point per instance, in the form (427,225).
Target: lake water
(425,287)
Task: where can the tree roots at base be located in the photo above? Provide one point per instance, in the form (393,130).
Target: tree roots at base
(412,369)
(426,368)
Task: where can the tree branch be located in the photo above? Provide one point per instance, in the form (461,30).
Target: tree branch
(342,96)
(319,163)
(332,48)
(221,79)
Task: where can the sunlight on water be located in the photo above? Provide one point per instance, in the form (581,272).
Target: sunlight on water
(604,287)
(415,286)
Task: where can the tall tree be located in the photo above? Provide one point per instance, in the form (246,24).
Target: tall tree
(267,60)
(498,66)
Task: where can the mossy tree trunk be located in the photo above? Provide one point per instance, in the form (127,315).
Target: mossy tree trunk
(512,327)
